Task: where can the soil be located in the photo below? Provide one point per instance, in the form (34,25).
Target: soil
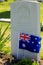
(6,59)
(11,60)
(41,62)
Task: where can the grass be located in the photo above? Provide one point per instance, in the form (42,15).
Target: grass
(4,37)
(41,53)
(27,61)
(5,14)
(5,6)
(41,12)
(5,9)
(41,20)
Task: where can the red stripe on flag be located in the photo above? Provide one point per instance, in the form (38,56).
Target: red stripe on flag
(24,36)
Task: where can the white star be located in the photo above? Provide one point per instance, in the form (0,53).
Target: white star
(32,42)
(35,38)
(23,45)
(39,42)
(34,49)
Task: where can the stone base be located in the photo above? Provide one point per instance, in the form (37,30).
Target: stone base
(27,54)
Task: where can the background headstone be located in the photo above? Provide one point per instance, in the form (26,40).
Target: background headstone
(25,17)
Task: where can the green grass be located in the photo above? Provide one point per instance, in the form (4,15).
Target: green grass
(5,14)
(5,9)
(5,6)
(41,53)
(5,37)
(27,61)
(41,12)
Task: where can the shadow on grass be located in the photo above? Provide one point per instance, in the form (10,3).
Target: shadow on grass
(5,14)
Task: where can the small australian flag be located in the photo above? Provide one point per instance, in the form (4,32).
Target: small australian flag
(29,42)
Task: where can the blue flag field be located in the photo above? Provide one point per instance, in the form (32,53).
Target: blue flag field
(29,42)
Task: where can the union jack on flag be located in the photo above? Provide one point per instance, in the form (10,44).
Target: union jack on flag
(30,43)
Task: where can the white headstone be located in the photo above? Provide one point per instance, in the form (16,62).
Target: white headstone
(25,17)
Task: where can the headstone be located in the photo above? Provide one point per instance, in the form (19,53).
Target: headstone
(25,18)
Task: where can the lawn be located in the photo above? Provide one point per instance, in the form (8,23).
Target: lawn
(4,33)
(41,53)
(5,13)
(5,6)
(5,9)
(41,12)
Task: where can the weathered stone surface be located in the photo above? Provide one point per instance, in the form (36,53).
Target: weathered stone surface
(25,18)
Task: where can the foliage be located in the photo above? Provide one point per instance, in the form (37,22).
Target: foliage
(27,62)
(3,40)
(5,14)
(35,63)
(7,50)
(41,26)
